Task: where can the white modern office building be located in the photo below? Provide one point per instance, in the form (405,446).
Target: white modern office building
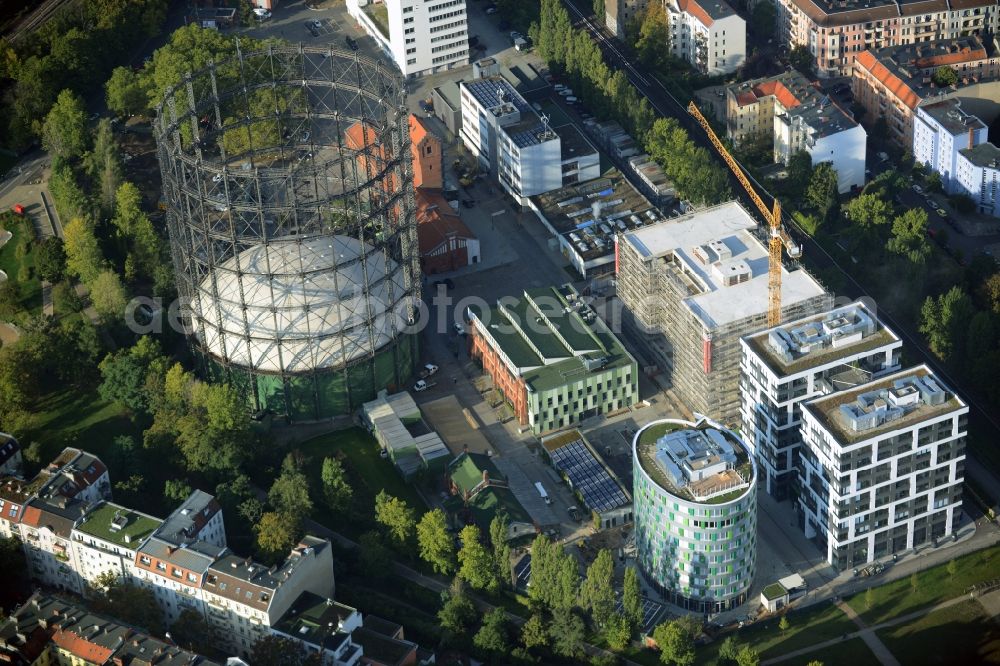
(955,144)
(420,36)
(883,466)
(787,365)
(707,33)
(517,145)
(695,502)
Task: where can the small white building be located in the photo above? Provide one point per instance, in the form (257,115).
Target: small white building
(707,33)
(883,466)
(421,37)
(527,156)
(955,144)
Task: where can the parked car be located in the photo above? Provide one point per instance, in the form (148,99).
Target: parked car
(490,10)
(351,43)
(261,14)
(421,385)
(571,100)
(917,188)
(311,27)
(941,212)
(430,369)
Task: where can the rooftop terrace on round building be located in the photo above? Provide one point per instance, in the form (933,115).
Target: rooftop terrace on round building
(720,487)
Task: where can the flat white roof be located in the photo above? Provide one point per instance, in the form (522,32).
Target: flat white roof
(730,224)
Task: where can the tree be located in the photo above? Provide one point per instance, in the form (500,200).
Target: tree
(800,168)
(675,643)
(129,375)
(107,294)
(492,635)
(990,291)
(554,575)
(376,558)
(192,632)
(909,236)
(274,650)
(784,624)
(944,76)
(933,182)
(396,515)
(125,93)
(598,6)
(597,592)
(567,633)
(821,193)
(336,490)
(747,656)
(289,494)
(617,631)
(868,211)
(943,322)
(801,58)
(762,19)
(952,567)
(501,549)
(475,564)
(83,254)
(275,535)
(533,632)
(653,44)
(632,598)
(869,598)
(50,259)
(130,603)
(64,132)
(176,490)
(436,545)
(457,612)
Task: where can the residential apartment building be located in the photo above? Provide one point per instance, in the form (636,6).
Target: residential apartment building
(552,358)
(512,142)
(49,630)
(106,540)
(882,466)
(891,83)
(619,14)
(837,31)
(10,455)
(692,286)
(793,115)
(787,365)
(709,34)
(420,36)
(695,489)
(956,146)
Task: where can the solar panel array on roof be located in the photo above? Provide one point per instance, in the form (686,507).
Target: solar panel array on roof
(532,137)
(485,91)
(587,475)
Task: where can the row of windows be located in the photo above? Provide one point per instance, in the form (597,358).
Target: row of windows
(450,56)
(447,26)
(446,47)
(441,17)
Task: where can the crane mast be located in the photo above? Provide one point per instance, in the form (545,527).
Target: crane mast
(777,238)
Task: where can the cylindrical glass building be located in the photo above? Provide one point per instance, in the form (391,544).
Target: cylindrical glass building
(288,187)
(695,498)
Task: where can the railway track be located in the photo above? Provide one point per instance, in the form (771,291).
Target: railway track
(35,19)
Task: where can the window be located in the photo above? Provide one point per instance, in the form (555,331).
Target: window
(192,578)
(161,566)
(411,61)
(408,20)
(176,573)
(144,560)
(430,150)
(407,10)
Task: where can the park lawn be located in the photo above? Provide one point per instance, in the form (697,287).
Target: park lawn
(959,634)
(78,417)
(29,292)
(812,625)
(367,473)
(934,586)
(851,653)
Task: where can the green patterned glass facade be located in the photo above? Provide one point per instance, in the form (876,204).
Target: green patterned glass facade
(696,543)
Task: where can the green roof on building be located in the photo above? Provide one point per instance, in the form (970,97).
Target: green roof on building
(544,326)
(466,471)
(129,530)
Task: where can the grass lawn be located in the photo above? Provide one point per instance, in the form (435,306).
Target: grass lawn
(29,292)
(367,472)
(853,652)
(959,634)
(934,585)
(810,626)
(79,418)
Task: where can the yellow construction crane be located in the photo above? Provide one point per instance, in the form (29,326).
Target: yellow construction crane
(779,237)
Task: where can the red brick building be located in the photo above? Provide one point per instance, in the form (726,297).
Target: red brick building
(427,157)
(446,244)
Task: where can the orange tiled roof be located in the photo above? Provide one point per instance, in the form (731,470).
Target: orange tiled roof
(778,89)
(893,83)
(965,55)
(81,647)
(418,130)
(745,98)
(436,221)
(694,9)
(32,516)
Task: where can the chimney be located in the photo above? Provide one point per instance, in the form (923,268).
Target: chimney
(486,476)
(972,137)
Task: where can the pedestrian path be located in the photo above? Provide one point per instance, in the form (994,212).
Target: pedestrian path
(873,642)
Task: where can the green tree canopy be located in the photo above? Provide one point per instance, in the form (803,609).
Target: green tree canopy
(653,44)
(64,133)
(501,548)
(821,194)
(567,633)
(617,631)
(84,258)
(632,598)
(289,494)
(868,212)
(762,19)
(107,293)
(457,612)
(597,593)
(395,515)
(802,59)
(944,76)
(943,321)
(675,642)
(492,638)
(275,650)
(50,259)
(909,237)
(125,92)
(126,375)
(132,604)
(476,565)
(336,490)
(376,558)
(534,632)
(436,545)
(276,535)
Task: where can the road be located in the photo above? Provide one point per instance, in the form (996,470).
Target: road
(667,105)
